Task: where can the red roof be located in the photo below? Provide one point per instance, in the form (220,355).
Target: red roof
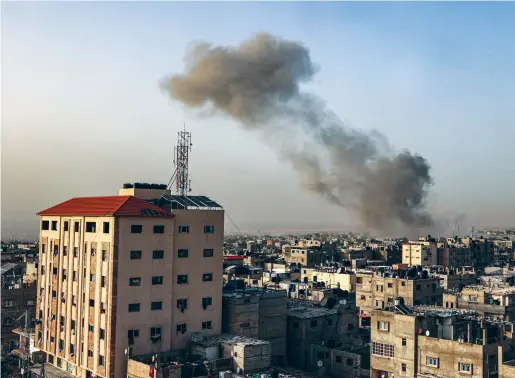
(233,257)
(106,206)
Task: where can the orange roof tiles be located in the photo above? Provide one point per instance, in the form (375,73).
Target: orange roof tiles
(106,206)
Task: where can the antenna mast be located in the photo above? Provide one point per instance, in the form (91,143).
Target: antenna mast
(182,181)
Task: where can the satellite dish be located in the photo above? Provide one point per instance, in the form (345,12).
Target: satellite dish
(427,333)
(320,363)
(339,270)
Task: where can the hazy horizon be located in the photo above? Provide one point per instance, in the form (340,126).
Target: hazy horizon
(82,112)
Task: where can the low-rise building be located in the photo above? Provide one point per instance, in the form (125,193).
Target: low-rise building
(419,253)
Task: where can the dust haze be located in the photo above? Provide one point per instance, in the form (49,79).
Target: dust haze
(258,85)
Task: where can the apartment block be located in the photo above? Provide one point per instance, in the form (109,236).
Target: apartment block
(416,342)
(332,277)
(308,257)
(379,289)
(141,272)
(419,253)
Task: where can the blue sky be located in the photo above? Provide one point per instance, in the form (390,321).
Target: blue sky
(82,112)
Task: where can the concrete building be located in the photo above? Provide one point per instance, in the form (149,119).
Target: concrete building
(410,342)
(120,271)
(377,290)
(260,314)
(494,302)
(308,257)
(332,278)
(18,296)
(506,363)
(419,253)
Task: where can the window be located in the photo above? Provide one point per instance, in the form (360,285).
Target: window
(54,225)
(72,349)
(65,250)
(432,361)
(157,255)
(209,229)
(45,225)
(134,307)
(207,301)
(76,226)
(105,227)
(136,229)
(91,328)
(54,270)
(390,285)
(404,342)
(135,281)
(65,226)
(350,326)
(90,353)
(103,281)
(206,325)
(182,253)
(385,350)
(133,333)
(329,322)
(91,303)
(100,360)
(182,304)
(180,328)
(52,339)
(104,255)
(92,278)
(75,251)
(159,229)
(184,229)
(155,332)
(472,298)
(182,279)
(313,324)
(157,280)
(338,359)
(465,368)
(91,227)
(208,252)
(207,277)
(350,362)
(136,255)
(156,306)
(403,368)
(383,326)
(403,283)
(73,324)
(54,294)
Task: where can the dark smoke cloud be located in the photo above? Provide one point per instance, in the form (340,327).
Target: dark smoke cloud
(257,84)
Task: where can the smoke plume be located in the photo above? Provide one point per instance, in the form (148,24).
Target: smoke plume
(258,83)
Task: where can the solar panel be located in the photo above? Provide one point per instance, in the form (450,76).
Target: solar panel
(151,213)
(185,202)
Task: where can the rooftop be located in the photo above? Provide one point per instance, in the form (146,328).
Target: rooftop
(186,202)
(106,206)
(311,312)
(491,290)
(227,338)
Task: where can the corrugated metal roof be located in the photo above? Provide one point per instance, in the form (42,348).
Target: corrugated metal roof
(7,267)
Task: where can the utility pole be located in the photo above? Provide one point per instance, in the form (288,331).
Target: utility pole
(25,363)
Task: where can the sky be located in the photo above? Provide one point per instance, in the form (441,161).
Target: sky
(82,112)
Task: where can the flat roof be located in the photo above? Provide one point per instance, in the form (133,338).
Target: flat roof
(313,312)
(186,202)
(228,338)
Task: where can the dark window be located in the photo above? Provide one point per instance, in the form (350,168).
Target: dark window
(184,229)
(92,278)
(103,281)
(207,277)
(403,342)
(182,304)
(76,226)
(209,229)
(100,360)
(91,303)
(102,334)
(208,252)
(106,227)
(350,326)
(45,225)
(136,255)
(134,307)
(329,322)
(350,362)
(75,251)
(207,301)
(104,255)
(182,279)
(65,225)
(403,367)
(183,253)
(136,229)
(155,331)
(158,254)
(73,324)
(206,325)
(91,328)
(159,229)
(313,324)
(133,333)
(135,281)
(54,225)
(65,251)
(90,353)
(54,294)
(61,345)
(244,325)
(72,349)
(54,270)
(52,339)
(338,359)
(180,328)
(157,280)
(155,306)
(91,227)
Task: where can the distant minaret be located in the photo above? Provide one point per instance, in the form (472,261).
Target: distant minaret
(182,150)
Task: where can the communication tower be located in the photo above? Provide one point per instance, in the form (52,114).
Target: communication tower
(182,150)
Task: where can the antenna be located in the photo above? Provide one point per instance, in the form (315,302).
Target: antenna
(182,181)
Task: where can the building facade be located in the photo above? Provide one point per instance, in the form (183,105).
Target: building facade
(121,273)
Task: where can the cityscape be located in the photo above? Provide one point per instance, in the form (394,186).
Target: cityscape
(119,265)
